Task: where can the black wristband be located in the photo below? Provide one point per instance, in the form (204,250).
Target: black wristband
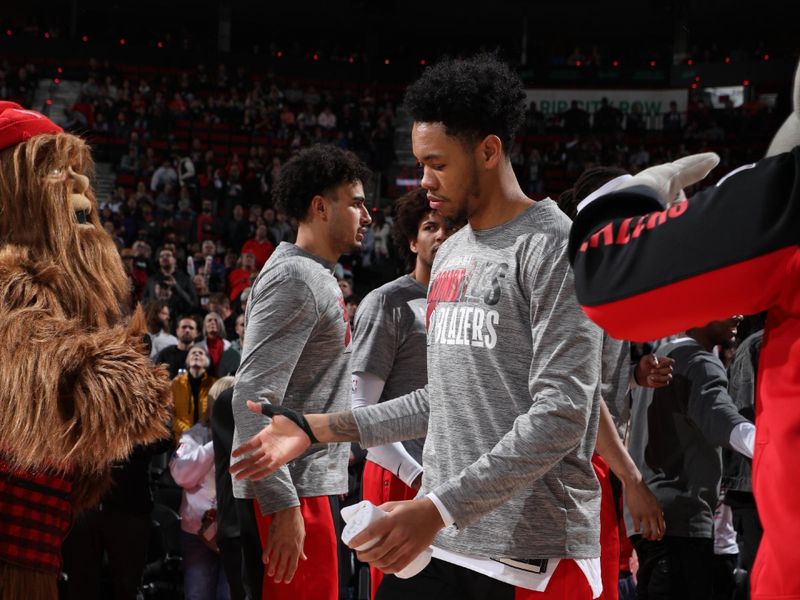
(271,410)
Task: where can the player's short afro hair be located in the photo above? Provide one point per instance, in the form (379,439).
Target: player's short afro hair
(315,171)
(472,98)
(410,209)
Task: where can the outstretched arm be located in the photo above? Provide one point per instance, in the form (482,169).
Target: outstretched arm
(289,433)
(728,249)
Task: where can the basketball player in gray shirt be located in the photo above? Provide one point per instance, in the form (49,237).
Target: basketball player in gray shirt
(389,351)
(295,354)
(509,498)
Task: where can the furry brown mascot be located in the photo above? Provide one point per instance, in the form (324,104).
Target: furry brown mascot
(77,390)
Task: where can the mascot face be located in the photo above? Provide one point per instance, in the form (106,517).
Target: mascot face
(48,209)
(77,185)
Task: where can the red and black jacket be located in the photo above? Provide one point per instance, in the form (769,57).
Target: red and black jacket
(643,272)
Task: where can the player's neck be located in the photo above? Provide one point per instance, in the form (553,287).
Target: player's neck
(313,243)
(422,273)
(501,201)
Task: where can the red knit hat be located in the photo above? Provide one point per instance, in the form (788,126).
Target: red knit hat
(18,124)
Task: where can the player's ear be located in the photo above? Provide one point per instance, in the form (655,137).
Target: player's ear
(491,151)
(318,208)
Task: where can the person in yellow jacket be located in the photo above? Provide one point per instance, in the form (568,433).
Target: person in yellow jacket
(190,391)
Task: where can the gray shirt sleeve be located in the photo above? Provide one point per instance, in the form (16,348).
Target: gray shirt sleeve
(562,384)
(616,374)
(374,340)
(710,406)
(280,320)
(397,420)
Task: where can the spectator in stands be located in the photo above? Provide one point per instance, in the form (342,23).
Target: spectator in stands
(351,303)
(185,219)
(116,201)
(575,120)
(192,467)
(671,121)
(137,279)
(224,359)
(142,253)
(382,232)
(187,175)
(164,174)
(287,229)
(634,122)
(147,225)
(168,276)
(141,194)
(158,327)
(220,304)
(259,246)
(130,162)
(237,230)
(242,277)
(205,219)
(346,285)
(174,356)
(190,391)
(239,329)
(213,269)
(534,120)
(326,119)
(165,201)
(608,118)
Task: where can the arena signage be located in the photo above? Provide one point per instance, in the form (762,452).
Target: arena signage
(653,102)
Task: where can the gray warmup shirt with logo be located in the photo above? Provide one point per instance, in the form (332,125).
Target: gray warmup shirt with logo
(389,341)
(512,404)
(295,353)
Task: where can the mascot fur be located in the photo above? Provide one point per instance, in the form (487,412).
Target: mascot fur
(77,390)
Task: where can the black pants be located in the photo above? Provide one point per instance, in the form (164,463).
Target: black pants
(230,550)
(675,568)
(123,536)
(251,548)
(444,581)
(724,580)
(747,525)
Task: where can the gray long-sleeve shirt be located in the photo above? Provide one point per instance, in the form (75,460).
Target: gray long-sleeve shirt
(295,353)
(511,406)
(676,434)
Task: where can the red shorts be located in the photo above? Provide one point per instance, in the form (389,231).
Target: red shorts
(378,486)
(609,532)
(316,578)
(567,583)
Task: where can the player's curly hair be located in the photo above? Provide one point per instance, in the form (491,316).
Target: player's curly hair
(410,209)
(472,98)
(315,171)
